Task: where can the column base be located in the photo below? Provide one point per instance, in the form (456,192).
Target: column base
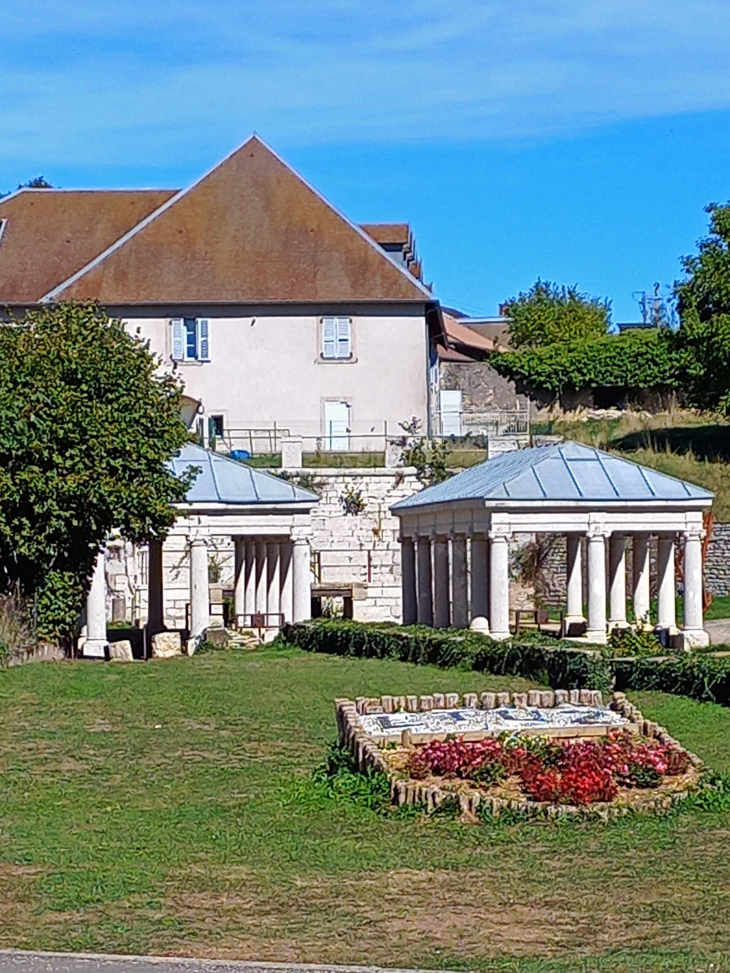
(95,649)
(618,623)
(480,624)
(598,636)
(574,626)
(693,638)
(500,636)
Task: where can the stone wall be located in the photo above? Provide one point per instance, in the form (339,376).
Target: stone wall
(483,389)
(717,562)
(362,549)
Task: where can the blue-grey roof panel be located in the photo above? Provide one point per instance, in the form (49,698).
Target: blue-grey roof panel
(563,471)
(223,480)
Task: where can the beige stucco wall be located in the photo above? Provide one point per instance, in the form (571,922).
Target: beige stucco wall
(266,368)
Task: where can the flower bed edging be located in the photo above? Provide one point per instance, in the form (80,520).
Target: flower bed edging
(370,758)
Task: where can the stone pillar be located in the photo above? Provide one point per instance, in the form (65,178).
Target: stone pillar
(666,584)
(287,581)
(694,631)
(441,609)
(596,631)
(408,580)
(249,604)
(261,577)
(499,585)
(480,583)
(574,620)
(642,581)
(459,582)
(291,452)
(302,579)
(617,581)
(96,642)
(273,598)
(424,603)
(239,581)
(155,589)
(199,590)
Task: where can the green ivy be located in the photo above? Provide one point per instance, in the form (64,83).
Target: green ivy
(637,360)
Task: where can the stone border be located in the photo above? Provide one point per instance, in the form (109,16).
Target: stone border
(369,756)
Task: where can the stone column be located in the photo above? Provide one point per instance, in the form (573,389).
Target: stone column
(694,631)
(273,600)
(408,580)
(642,581)
(441,608)
(199,591)
(249,604)
(155,589)
(424,604)
(596,631)
(666,584)
(459,582)
(479,584)
(261,577)
(287,580)
(239,581)
(96,642)
(574,619)
(617,582)
(499,585)
(302,579)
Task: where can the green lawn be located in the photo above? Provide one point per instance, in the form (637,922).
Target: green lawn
(164,808)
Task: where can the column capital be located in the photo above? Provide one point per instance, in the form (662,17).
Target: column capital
(500,532)
(597,532)
(694,532)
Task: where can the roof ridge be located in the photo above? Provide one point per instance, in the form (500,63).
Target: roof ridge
(138,227)
(169,203)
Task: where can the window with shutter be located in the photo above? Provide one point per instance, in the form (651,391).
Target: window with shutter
(343,337)
(329,337)
(178,341)
(336,337)
(204,339)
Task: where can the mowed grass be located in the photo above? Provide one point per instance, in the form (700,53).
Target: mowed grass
(164,808)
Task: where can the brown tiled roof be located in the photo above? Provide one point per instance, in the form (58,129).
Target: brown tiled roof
(251,230)
(384,233)
(51,233)
(464,336)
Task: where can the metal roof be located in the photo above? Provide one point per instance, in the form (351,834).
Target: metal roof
(223,480)
(562,471)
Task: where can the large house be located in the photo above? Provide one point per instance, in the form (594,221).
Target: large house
(282,316)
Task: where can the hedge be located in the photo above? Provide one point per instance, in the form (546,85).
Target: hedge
(701,676)
(559,667)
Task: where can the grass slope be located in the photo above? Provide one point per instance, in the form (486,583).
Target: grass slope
(167,808)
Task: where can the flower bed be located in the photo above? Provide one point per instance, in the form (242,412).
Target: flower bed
(591,767)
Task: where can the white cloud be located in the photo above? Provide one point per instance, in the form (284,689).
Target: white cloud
(85,81)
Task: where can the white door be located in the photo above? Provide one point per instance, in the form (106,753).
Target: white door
(337,425)
(450,408)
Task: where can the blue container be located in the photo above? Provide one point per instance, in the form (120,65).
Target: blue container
(240,454)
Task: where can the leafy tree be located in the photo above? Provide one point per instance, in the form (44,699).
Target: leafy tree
(703,303)
(86,426)
(548,313)
(636,360)
(38,182)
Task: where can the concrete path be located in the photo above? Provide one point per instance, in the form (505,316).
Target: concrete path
(18,961)
(719,631)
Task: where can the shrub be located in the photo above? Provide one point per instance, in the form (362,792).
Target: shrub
(702,677)
(559,666)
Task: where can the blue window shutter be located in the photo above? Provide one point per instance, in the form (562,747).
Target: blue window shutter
(204,339)
(178,339)
(344,349)
(329,337)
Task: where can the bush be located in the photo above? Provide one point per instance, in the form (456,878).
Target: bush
(559,666)
(702,677)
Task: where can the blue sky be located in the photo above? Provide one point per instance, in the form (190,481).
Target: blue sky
(577,140)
